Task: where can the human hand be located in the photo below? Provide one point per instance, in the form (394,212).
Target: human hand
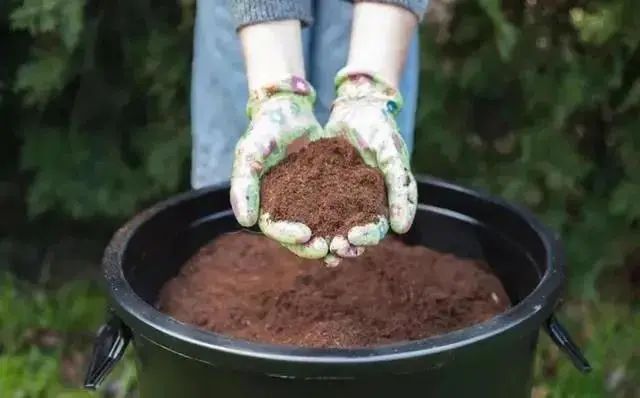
(279,114)
(363,113)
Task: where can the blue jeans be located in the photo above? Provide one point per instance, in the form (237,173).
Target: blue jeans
(219,86)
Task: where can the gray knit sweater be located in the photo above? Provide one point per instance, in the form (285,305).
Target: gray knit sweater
(248,12)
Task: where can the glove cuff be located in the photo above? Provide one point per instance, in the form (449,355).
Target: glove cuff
(358,84)
(291,85)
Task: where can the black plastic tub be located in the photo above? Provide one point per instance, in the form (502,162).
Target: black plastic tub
(493,359)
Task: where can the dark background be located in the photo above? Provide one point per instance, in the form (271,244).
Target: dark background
(536,101)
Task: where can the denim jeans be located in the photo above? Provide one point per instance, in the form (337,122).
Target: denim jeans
(219,86)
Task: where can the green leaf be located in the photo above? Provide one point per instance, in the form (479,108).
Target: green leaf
(631,99)
(165,153)
(599,26)
(84,174)
(506,35)
(65,17)
(571,94)
(625,200)
(41,79)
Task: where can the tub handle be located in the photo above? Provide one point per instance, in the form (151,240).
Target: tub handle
(563,340)
(109,346)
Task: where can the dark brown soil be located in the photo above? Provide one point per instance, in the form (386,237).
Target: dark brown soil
(247,286)
(325,185)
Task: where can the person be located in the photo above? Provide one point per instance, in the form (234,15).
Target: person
(272,65)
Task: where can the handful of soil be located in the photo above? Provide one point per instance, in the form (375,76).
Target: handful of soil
(325,185)
(247,286)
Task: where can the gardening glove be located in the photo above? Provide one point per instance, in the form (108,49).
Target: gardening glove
(279,113)
(364,113)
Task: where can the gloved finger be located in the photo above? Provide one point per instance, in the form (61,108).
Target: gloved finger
(244,194)
(340,246)
(369,234)
(402,193)
(284,231)
(316,248)
(332,261)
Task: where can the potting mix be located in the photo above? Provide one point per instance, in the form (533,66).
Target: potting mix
(325,185)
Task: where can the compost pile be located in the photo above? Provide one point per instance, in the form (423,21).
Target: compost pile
(247,286)
(327,186)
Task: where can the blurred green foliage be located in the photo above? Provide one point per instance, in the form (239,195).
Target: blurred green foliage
(537,101)
(95,95)
(534,100)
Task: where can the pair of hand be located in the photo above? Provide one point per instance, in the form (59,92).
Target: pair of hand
(363,113)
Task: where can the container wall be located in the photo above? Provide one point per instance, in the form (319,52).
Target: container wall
(502,372)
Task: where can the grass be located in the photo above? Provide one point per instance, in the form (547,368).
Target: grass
(45,339)
(610,335)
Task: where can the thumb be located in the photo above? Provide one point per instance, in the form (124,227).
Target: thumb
(244,194)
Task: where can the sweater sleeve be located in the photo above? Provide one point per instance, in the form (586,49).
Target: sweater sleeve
(248,12)
(418,7)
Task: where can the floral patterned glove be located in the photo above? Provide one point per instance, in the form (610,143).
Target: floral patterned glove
(364,113)
(279,114)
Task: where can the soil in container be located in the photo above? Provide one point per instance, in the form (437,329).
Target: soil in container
(247,286)
(325,185)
